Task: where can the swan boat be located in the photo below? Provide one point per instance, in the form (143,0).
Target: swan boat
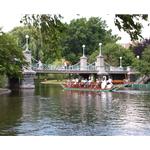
(90,88)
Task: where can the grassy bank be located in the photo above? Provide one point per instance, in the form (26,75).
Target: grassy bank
(53,82)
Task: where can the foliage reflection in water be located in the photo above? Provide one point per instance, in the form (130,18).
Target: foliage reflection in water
(48,110)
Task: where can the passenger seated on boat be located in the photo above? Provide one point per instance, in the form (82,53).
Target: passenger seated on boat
(84,82)
(89,82)
(76,81)
(72,82)
(97,84)
(104,83)
(81,82)
(68,83)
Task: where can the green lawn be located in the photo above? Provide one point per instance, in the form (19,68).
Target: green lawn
(52,82)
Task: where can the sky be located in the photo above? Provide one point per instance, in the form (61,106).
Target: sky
(11,11)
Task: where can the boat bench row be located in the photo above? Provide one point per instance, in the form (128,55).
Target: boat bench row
(91,85)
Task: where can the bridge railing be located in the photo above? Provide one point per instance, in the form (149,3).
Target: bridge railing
(108,67)
(91,67)
(76,67)
(45,67)
(111,68)
(55,67)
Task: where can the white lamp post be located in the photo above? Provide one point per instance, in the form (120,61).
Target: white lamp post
(100,51)
(27,47)
(120,62)
(83,46)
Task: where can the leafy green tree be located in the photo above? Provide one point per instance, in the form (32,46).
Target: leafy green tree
(49,29)
(143,64)
(89,32)
(11,56)
(34,40)
(138,47)
(112,52)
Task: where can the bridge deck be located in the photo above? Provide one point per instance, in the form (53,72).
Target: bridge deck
(76,72)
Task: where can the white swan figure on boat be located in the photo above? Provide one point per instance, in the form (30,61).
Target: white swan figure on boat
(109,83)
(104,83)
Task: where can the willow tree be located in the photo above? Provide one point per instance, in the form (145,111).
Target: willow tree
(34,42)
(49,29)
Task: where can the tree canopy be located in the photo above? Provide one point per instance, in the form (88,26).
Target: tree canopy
(47,33)
(89,32)
(112,53)
(143,63)
(50,39)
(10,55)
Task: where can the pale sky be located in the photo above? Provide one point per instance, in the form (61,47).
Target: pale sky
(11,11)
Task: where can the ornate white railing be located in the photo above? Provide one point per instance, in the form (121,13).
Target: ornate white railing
(90,67)
(76,67)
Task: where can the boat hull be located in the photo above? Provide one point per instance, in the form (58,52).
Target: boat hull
(88,89)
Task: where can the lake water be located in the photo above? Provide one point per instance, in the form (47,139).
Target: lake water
(49,110)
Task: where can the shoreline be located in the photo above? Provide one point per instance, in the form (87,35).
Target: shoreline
(52,82)
(4,91)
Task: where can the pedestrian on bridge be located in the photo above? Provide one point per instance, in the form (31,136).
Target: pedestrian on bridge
(40,65)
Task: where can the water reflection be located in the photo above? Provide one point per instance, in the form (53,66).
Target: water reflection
(10,113)
(48,110)
(88,106)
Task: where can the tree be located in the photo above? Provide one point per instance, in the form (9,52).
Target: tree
(49,29)
(142,52)
(11,56)
(138,48)
(112,52)
(89,32)
(143,64)
(132,24)
(51,39)
(34,40)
